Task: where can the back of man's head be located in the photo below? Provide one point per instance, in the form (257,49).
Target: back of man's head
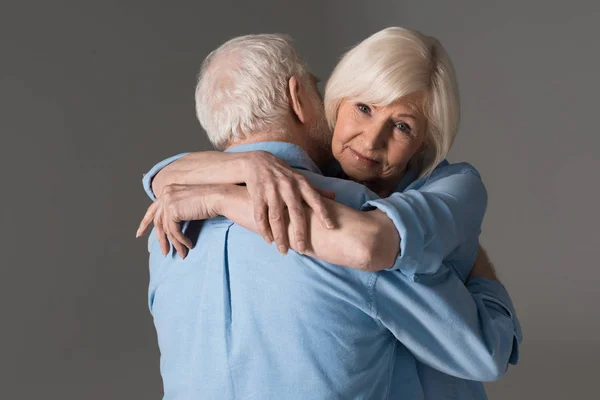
(243,87)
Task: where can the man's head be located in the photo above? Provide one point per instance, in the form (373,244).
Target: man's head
(256,88)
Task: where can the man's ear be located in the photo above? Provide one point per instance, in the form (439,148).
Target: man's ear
(298,100)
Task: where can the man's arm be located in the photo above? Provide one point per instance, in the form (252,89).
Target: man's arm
(467,331)
(471,331)
(438,219)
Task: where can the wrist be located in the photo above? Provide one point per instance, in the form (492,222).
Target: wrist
(226,198)
(245,163)
(216,199)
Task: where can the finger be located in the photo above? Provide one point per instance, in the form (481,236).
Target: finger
(175,232)
(160,233)
(315,202)
(261,218)
(179,248)
(277,222)
(297,218)
(148,218)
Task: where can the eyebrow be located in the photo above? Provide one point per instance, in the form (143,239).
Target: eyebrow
(402,115)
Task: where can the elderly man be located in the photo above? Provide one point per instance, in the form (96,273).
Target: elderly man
(236,319)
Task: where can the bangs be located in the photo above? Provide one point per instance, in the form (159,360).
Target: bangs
(387,80)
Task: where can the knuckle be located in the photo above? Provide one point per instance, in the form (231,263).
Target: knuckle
(287,183)
(168,189)
(259,217)
(296,210)
(275,216)
(301,179)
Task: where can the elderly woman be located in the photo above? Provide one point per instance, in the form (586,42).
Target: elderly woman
(393,105)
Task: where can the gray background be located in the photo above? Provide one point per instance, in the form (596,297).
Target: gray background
(93,93)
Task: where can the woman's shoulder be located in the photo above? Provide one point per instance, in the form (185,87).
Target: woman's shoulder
(444,170)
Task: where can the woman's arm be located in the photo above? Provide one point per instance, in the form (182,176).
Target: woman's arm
(201,168)
(362,240)
(274,187)
(433,221)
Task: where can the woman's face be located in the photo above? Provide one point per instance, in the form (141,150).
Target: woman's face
(375,144)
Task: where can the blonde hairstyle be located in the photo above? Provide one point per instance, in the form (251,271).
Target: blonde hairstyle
(243,87)
(394,63)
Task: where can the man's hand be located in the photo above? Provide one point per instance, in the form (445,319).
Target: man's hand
(483,267)
(179,203)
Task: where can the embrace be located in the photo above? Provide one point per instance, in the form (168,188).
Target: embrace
(327,250)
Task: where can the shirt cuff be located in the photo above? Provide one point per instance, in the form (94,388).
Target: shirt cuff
(495,292)
(412,258)
(147,177)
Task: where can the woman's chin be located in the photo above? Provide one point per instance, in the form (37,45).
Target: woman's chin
(358,175)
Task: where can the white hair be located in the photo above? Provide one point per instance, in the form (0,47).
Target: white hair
(243,87)
(394,63)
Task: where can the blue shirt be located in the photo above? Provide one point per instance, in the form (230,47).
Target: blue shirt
(238,320)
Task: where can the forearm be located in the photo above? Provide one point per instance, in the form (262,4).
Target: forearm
(471,332)
(361,240)
(205,167)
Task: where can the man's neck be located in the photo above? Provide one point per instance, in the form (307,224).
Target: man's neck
(298,138)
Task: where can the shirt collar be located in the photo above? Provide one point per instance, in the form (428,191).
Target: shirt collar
(292,154)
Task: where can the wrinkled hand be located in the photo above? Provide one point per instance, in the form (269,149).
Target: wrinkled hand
(274,186)
(179,203)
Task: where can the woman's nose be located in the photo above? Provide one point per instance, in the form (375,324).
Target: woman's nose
(374,136)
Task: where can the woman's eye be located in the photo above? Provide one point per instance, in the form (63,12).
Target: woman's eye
(404,128)
(363,108)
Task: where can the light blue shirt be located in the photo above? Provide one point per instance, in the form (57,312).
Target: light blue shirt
(238,320)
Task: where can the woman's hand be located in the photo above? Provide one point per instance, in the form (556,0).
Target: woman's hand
(176,204)
(274,187)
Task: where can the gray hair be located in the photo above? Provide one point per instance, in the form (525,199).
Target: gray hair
(391,64)
(242,87)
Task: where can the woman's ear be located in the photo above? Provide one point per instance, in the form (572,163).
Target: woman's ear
(298,100)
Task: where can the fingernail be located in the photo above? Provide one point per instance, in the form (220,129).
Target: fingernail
(137,233)
(282,249)
(301,247)
(268,239)
(329,223)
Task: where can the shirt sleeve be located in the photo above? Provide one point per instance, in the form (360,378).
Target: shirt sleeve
(147,177)
(433,221)
(471,332)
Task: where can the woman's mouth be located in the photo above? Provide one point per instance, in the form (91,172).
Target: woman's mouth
(369,162)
